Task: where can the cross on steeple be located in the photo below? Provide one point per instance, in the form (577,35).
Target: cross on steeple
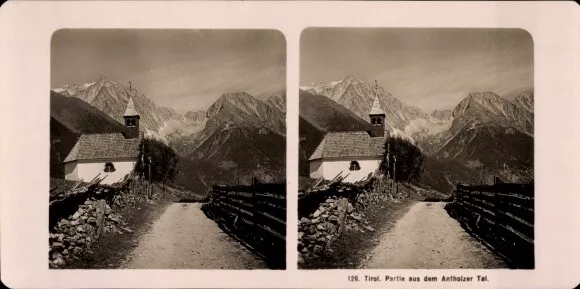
(130,88)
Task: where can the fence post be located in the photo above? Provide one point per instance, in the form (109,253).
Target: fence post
(497,219)
(254,215)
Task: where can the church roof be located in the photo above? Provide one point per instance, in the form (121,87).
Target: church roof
(130,111)
(104,146)
(376,108)
(348,145)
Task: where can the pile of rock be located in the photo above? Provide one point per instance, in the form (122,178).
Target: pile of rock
(121,201)
(72,236)
(382,191)
(373,198)
(321,228)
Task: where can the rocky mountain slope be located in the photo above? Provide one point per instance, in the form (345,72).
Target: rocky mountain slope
(231,110)
(196,115)
(525,100)
(111,98)
(357,96)
(238,108)
(244,136)
(237,138)
(278,101)
(485,135)
(443,115)
(490,108)
(491,134)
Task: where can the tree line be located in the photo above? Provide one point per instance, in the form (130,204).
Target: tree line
(402,160)
(161,158)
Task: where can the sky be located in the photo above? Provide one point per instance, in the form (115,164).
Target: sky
(432,68)
(181,69)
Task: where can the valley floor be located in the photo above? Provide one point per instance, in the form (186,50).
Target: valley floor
(184,238)
(426,237)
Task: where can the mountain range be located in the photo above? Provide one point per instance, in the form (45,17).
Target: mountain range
(240,136)
(245,135)
(491,134)
(237,138)
(483,136)
(111,98)
(358,96)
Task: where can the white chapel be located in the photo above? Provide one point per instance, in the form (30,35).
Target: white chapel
(109,155)
(356,153)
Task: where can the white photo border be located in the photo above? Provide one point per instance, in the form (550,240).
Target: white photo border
(25,33)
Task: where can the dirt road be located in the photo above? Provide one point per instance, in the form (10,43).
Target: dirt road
(426,237)
(184,238)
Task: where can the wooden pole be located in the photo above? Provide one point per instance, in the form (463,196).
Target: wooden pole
(101,210)
(395,174)
(149,190)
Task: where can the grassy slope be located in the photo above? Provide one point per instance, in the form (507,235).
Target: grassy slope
(327,115)
(444,174)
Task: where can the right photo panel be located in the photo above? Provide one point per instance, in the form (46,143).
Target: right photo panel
(416,149)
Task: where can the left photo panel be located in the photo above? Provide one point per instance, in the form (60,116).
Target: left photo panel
(167,149)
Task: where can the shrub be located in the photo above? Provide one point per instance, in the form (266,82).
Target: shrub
(409,159)
(163,161)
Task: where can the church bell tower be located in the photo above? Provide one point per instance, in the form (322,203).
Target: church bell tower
(377,117)
(131,117)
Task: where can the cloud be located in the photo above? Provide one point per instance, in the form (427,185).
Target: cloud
(428,68)
(181,69)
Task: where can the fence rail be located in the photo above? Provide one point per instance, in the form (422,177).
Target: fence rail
(310,199)
(66,196)
(501,216)
(255,215)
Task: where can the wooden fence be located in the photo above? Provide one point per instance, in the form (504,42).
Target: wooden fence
(501,216)
(255,215)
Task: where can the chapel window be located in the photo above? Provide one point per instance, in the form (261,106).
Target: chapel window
(109,168)
(354,166)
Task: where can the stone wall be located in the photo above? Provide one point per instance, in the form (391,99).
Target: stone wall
(81,216)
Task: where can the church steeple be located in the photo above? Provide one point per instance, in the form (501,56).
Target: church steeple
(131,117)
(377,117)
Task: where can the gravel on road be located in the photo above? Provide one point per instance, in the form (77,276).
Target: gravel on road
(426,237)
(184,238)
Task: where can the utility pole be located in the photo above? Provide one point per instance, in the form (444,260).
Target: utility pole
(388,159)
(142,165)
(237,175)
(395,173)
(149,190)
